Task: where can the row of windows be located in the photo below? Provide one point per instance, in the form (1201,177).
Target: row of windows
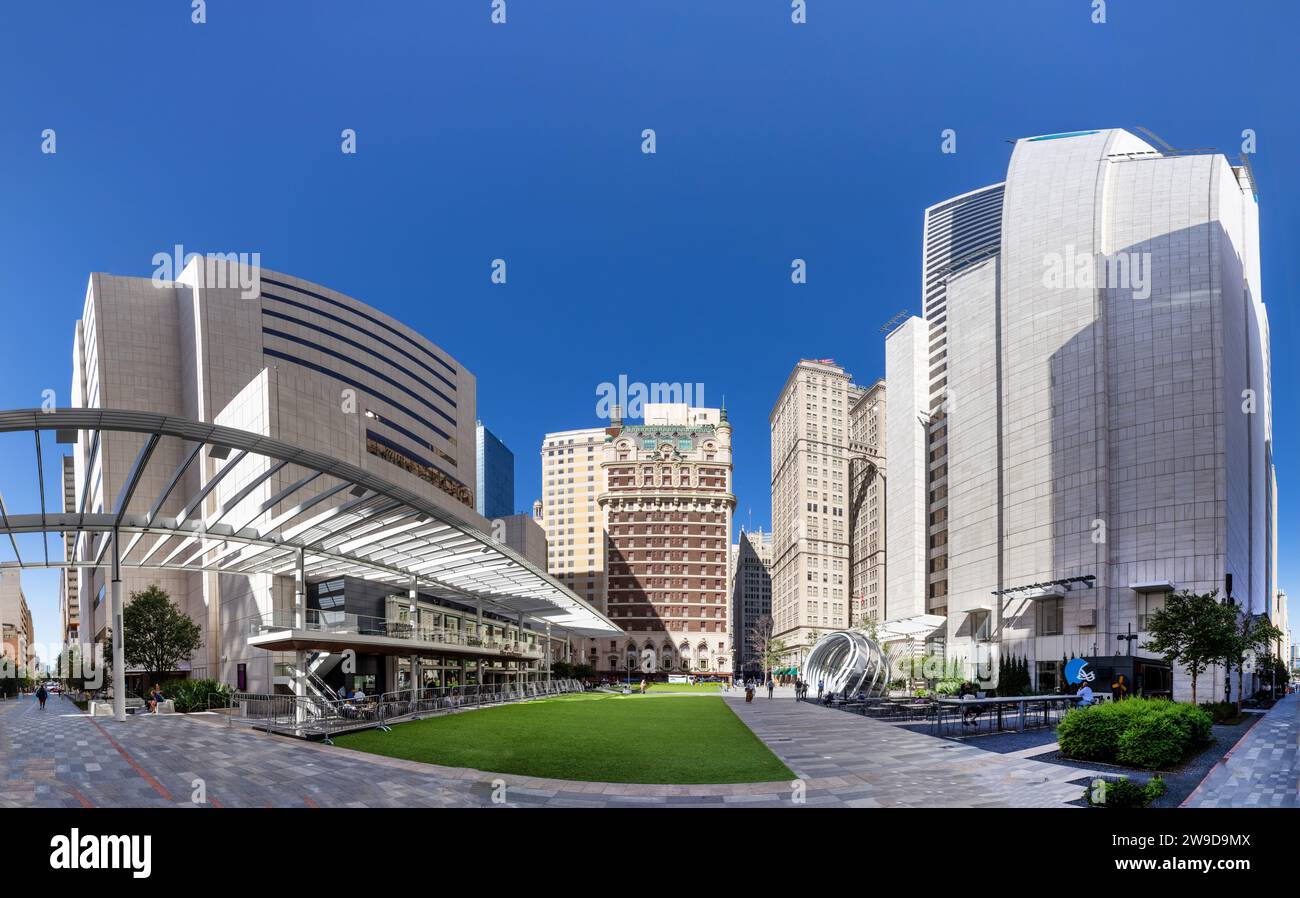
(361,346)
(372,319)
(366,368)
(274,353)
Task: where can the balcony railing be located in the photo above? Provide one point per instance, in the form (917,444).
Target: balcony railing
(341,623)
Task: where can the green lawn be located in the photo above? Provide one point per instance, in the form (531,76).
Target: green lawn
(710,688)
(592,736)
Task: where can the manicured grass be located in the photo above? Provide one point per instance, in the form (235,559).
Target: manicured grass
(708,688)
(593,736)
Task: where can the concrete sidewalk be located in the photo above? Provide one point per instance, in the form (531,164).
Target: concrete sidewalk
(1260,771)
(63,758)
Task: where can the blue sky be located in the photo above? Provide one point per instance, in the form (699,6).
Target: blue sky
(522,141)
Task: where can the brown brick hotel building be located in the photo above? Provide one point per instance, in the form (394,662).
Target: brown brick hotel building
(667,508)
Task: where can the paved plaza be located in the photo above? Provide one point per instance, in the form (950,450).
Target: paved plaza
(61,758)
(1262,770)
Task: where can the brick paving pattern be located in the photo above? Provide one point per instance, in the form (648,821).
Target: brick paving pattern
(1262,770)
(61,758)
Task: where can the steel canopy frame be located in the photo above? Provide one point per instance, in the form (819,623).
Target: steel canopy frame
(381,532)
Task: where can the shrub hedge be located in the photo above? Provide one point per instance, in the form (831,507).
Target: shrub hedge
(1138,732)
(192,695)
(1124,793)
(1221,711)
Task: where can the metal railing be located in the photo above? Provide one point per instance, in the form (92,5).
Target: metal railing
(314,717)
(344,623)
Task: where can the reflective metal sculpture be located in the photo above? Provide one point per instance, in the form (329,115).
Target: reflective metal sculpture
(848,662)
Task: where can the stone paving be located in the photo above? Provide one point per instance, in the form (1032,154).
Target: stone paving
(62,758)
(1260,771)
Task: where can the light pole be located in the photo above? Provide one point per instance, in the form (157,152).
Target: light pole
(1129,637)
(1227,664)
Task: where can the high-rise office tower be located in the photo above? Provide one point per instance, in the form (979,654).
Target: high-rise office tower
(17,631)
(867,475)
(751,597)
(495,495)
(810,504)
(69,600)
(1081,423)
(572,478)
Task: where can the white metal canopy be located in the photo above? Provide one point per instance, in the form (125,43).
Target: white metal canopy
(337,520)
(909,627)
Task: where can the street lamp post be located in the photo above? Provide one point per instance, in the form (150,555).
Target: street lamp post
(1227,665)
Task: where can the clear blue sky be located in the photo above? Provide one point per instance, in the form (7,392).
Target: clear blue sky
(522,141)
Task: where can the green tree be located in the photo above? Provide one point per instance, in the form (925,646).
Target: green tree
(1194,630)
(1255,636)
(157,635)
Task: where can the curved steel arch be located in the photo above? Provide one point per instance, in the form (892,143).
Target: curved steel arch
(379,531)
(848,662)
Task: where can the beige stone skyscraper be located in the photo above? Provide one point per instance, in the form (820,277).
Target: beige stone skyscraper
(810,504)
(572,479)
(867,506)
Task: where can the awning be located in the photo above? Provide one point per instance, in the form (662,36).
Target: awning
(322,516)
(1051,591)
(909,627)
(1154,586)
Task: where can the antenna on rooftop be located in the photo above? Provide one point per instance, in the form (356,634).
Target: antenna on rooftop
(893,322)
(1164,144)
(1170,149)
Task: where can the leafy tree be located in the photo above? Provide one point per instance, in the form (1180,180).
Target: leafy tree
(768,649)
(1263,636)
(1255,636)
(1194,630)
(157,635)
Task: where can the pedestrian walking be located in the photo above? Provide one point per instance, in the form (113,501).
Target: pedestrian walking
(771,686)
(42,695)
(821,685)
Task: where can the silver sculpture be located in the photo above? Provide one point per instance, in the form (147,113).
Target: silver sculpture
(848,662)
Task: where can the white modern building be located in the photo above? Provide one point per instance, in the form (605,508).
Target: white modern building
(1090,423)
(390,545)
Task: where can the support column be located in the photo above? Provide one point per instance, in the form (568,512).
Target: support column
(548,653)
(478,633)
(417,675)
(119,650)
(520,674)
(300,623)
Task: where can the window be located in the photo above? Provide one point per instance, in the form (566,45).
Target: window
(1049,675)
(1050,620)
